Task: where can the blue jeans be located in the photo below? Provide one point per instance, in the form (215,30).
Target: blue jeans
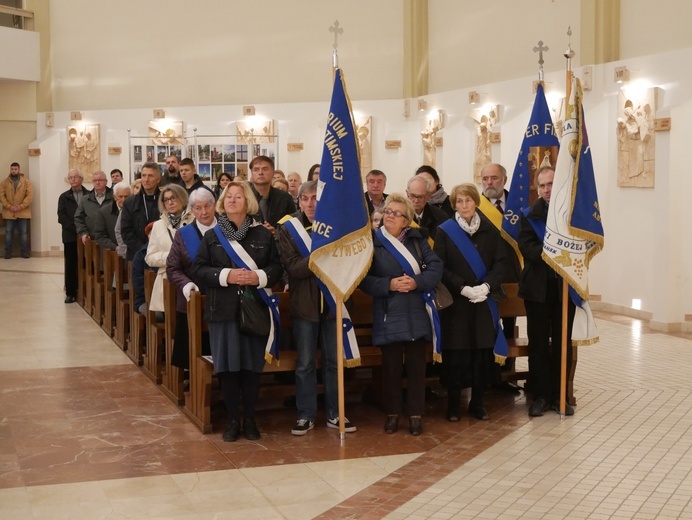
(306,335)
(20,225)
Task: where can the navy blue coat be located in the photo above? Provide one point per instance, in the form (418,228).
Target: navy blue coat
(400,316)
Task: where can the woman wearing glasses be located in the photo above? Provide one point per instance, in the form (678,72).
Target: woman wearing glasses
(403,273)
(174,214)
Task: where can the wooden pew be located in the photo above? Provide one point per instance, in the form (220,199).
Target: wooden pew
(155,334)
(137,337)
(172,382)
(98,283)
(122,302)
(89,277)
(108,292)
(81,273)
(198,400)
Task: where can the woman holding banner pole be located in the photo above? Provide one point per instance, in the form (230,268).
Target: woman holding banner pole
(238,256)
(403,273)
(475,263)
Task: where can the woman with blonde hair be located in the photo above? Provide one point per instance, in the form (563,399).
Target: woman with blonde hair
(174,214)
(238,260)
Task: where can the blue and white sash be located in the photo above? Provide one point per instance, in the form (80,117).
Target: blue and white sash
(463,243)
(242,259)
(584,325)
(191,239)
(411,267)
(304,243)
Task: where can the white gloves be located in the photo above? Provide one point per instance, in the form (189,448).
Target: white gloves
(188,288)
(476,294)
(468,292)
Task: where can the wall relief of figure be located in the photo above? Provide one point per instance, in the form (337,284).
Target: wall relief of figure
(84,149)
(255,132)
(364,133)
(636,140)
(484,119)
(428,136)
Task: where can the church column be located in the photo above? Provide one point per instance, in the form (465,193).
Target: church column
(415,79)
(600,31)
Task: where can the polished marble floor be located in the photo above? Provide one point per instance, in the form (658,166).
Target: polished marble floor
(85,435)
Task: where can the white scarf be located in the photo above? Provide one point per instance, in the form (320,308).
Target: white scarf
(469,228)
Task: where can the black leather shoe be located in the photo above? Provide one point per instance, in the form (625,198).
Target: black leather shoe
(479,413)
(70,299)
(538,407)
(250,430)
(232,432)
(453,414)
(391,425)
(556,406)
(415,426)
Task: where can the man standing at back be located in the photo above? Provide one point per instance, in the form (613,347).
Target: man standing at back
(141,209)
(67,207)
(188,173)
(16,194)
(172,174)
(274,204)
(425,215)
(87,214)
(375,183)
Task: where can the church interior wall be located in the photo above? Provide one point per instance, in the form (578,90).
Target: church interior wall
(642,227)
(654,27)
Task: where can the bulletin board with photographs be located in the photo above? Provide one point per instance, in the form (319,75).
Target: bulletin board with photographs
(212,154)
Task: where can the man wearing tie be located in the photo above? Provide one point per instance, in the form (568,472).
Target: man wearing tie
(494,178)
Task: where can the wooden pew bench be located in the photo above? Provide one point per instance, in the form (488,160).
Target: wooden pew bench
(122,302)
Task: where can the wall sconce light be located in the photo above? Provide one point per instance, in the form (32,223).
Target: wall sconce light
(622,74)
(422,105)
(474,98)
(76,116)
(159,113)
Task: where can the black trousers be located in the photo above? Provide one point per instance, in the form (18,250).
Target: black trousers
(544,329)
(466,368)
(71,269)
(394,357)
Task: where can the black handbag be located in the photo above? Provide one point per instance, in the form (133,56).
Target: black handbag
(254,316)
(443,298)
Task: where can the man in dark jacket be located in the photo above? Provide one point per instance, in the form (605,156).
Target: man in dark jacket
(375,184)
(311,320)
(67,207)
(425,215)
(188,173)
(172,174)
(104,233)
(140,210)
(274,204)
(541,288)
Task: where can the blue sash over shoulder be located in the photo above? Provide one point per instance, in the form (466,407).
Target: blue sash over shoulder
(242,259)
(191,239)
(411,267)
(463,243)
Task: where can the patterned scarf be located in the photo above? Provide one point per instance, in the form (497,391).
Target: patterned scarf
(469,228)
(231,231)
(402,235)
(174,220)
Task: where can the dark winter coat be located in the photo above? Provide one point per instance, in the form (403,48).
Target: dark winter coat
(400,316)
(222,302)
(467,325)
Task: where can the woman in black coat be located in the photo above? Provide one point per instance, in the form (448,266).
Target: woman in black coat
(401,325)
(468,329)
(238,357)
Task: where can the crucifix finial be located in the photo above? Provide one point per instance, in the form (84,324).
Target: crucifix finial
(569,53)
(540,49)
(337,31)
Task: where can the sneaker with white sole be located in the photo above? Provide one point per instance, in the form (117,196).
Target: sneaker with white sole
(302,427)
(334,423)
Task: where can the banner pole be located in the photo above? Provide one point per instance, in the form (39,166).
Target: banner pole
(340,366)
